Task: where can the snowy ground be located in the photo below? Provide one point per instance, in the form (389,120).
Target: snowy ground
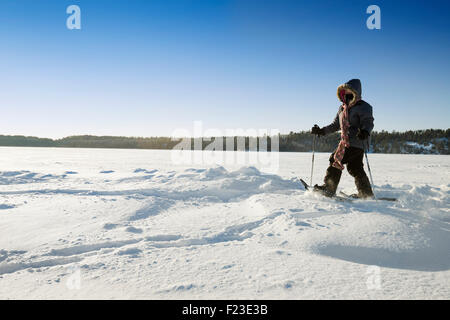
(92,223)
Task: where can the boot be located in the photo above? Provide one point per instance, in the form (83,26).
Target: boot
(332,178)
(363,185)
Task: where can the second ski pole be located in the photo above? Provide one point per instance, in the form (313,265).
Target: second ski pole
(366,147)
(312,165)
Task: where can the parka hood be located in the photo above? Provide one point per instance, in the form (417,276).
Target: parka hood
(354,86)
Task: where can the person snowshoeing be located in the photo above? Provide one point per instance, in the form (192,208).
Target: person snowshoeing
(355,121)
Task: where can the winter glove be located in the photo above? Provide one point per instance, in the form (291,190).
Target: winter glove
(317,130)
(362,134)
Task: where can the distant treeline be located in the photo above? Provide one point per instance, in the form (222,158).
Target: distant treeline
(431,141)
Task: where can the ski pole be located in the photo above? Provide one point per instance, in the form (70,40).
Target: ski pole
(312,165)
(368,166)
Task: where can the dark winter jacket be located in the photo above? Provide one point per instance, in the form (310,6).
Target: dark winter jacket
(360,114)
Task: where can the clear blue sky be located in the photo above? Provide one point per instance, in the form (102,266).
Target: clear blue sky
(145,68)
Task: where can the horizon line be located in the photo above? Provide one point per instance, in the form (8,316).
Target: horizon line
(192,137)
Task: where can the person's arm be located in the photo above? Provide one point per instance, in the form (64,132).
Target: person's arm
(366,118)
(333,127)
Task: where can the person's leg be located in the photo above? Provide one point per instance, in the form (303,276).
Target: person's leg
(356,169)
(332,178)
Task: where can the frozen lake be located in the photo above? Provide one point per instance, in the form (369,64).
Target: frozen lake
(109,223)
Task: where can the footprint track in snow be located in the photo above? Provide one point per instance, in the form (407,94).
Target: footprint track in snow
(14,267)
(237,232)
(77,253)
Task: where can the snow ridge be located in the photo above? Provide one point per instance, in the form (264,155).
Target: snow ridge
(150,231)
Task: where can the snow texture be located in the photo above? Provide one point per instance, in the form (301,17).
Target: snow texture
(129,224)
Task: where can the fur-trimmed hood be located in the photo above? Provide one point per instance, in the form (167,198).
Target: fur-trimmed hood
(354,86)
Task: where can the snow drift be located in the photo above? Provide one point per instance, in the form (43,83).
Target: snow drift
(82,223)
